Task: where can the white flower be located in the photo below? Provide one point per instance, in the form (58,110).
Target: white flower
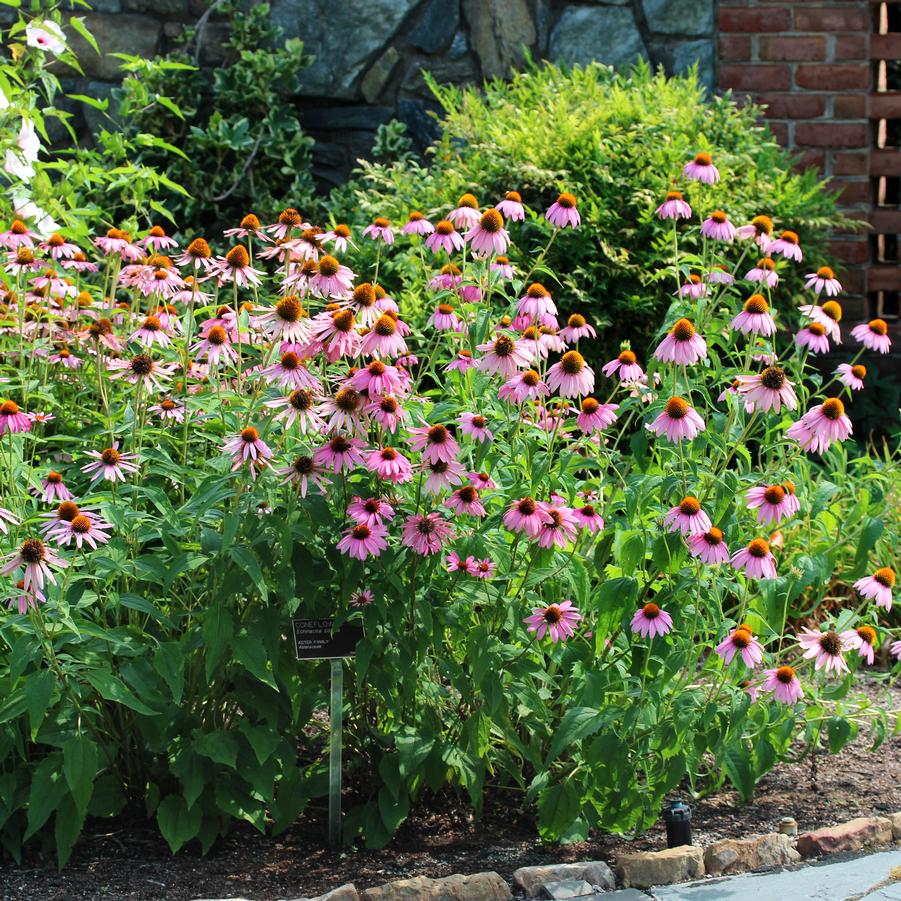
(4,100)
(28,141)
(46,35)
(17,166)
(27,209)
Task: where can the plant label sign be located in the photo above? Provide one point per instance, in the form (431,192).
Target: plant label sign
(316,639)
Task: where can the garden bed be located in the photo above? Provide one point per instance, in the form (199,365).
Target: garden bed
(127,859)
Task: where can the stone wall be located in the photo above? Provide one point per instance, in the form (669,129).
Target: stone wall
(370,53)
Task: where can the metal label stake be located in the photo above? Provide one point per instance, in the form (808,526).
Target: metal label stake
(336,715)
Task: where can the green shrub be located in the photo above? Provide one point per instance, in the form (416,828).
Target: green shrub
(613,140)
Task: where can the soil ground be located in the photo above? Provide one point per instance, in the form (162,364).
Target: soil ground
(128,860)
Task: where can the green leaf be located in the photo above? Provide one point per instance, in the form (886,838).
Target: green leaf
(114,689)
(839,732)
(577,722)
(78,24)
(217,631)
(90,101)
(38,691)
(558,809)
(80,768)
(48,787)
(66,829)
(251,654)
(178,823)
(262,739)
(220,746)
(736,762)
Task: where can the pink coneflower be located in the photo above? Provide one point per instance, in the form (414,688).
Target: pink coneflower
(82,529)
(340,453)
(336,331)
(873,335)
(18,235)
(197,255)
(814,338)
(65,358)
(441,476)
(784,684)
(376,379)
(852,376)
(556,620)
(446,238)
(151,332)
(826,648)
(709,547)
(694,288)
(52,489)
(651,621)
(235,267)
(466,500)
(504,356)
(110,464)
(142,369)
(536,303)
(384,338)
(787,245)
(58,248)
(563,212)
(511,207)
(502,266)
(895,650)
(12,420)
(878,586)
(526,515)
(674,207)
(488,236)
(683,345)
(417,224)
(484,569)
(389,464)
(626,366)
(379,230)
(7,517)
(445,319)
(773,502)
(720,275)
(863,640)
(286,321)
(299,406)
(289,372)
(678,421)
(475,425)
(701,169)
(595,416)
(587,517)
(742,642)
(756,560)
(456,563)
(362,541)
(829,315)
(482,481)
(371,511)
(823,280)
(22,260)
(560,529)
(332,279)
(435,442)
(718,227)
(216,347)
(462,361)
(687,517)
(755,318)
(571,376)
(118,243)
(248,448)
(301,472)
(29,597)
(769,390)
(760,229)
(523,386)
(168,408)
(821,425)
(763,273)
(156,240)
(466,212)
(288,220)
(363,597)
(426,533)
(577,328)
(387,412)
(339,236)
(36,559)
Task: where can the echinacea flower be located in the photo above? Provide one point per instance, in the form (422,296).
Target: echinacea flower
(536,303)
(763,273)
(482,481)
(503,356)
(299,406)
(168,408)
(829,315)
(740,641)
(626,366)
(384,338)
(110,464)
(235,267)
(718,227)
(756,560)
(873,335)
(483,569)
(363,597)
(694,288)
(823,280)
(571,376)
(825,648)
(446,238)
(339,236)
(878,586)
(466,500)
(674,207)
(379,230)
(28,598)
(36,559)
(701,169)
(488,236)
(768,390)
(141,369)
(417,224)
(441,475)
(562,212)
(577,328)
(679,421)
(755,318)
(288,220)
(502,267)
(526,515)
(511,207)
(784,684)
(476,426)
(682,345)
(852,376)
(340,454)
(773,502)
(435,442)
(650,621)
(362,541)
(248,448)
(332,279)
(7,517)
(53,488)
(12,419)
(389,464)
(197,255)
(289,372)
(523,386)
(303,470)
(687,517)
(560,528)
(760,229)
(286,321)
(820,426)
(720,275)
(426,533)
(445,319)
(466,213)
(456,563)
(863,640)
(587,517)
(556,620)
(813,337)
(594,416)
(787,245)
(81,529)
(709,547)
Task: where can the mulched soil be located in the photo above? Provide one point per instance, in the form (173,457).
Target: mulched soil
(129,860)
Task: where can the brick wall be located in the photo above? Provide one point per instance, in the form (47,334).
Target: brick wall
(830,77)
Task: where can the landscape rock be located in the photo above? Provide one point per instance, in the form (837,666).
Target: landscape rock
(679,16)
(856,834)
(533,880)
(477,887)
(566,888)
(755,852)
(499,30)
(346,892)
(114,33)
(643,869)
(435,30)
(896,825)
(686,53)
(607,34)
(378,74)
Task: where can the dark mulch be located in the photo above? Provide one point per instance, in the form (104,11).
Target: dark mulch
(128,860)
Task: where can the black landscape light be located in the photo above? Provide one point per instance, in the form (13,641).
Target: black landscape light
(678,824)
